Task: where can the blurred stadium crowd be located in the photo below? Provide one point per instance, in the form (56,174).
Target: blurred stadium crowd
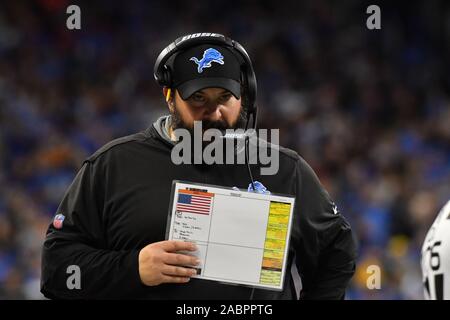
(368,110)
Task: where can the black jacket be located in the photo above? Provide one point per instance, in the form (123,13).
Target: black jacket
(118,203)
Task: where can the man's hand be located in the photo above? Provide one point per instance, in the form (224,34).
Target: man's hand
(159,262)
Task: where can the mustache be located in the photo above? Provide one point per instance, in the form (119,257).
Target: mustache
(221,125)
(177,122)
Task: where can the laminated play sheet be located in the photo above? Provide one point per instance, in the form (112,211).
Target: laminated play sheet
(242,237)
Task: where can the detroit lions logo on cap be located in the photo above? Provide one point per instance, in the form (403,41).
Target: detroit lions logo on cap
(210,55)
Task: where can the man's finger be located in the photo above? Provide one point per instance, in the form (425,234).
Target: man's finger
(178,271)
(170,279)
(175,245)
(180,259)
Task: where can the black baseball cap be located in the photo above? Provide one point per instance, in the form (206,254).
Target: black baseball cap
(206,66)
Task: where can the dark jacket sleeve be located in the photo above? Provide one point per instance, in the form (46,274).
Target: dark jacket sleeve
(81,243)
(327,243)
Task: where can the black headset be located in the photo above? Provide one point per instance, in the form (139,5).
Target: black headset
(163,73)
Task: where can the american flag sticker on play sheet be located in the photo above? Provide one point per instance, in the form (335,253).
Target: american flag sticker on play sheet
(194,201)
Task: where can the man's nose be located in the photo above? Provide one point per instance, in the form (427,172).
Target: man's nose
(214,111)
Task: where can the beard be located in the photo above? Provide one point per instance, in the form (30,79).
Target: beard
(178,123)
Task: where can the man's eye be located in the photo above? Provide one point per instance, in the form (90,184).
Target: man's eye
(198,98)
(225,98)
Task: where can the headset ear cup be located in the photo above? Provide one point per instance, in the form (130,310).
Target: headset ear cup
(163,77)
(249,81)
(159,75)
(166,77)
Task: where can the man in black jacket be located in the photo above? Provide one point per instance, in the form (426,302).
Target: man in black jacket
(111,223)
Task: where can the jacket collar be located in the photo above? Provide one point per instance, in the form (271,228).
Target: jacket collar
(158,131)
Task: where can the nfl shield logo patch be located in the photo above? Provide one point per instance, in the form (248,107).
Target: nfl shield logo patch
(58,221)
